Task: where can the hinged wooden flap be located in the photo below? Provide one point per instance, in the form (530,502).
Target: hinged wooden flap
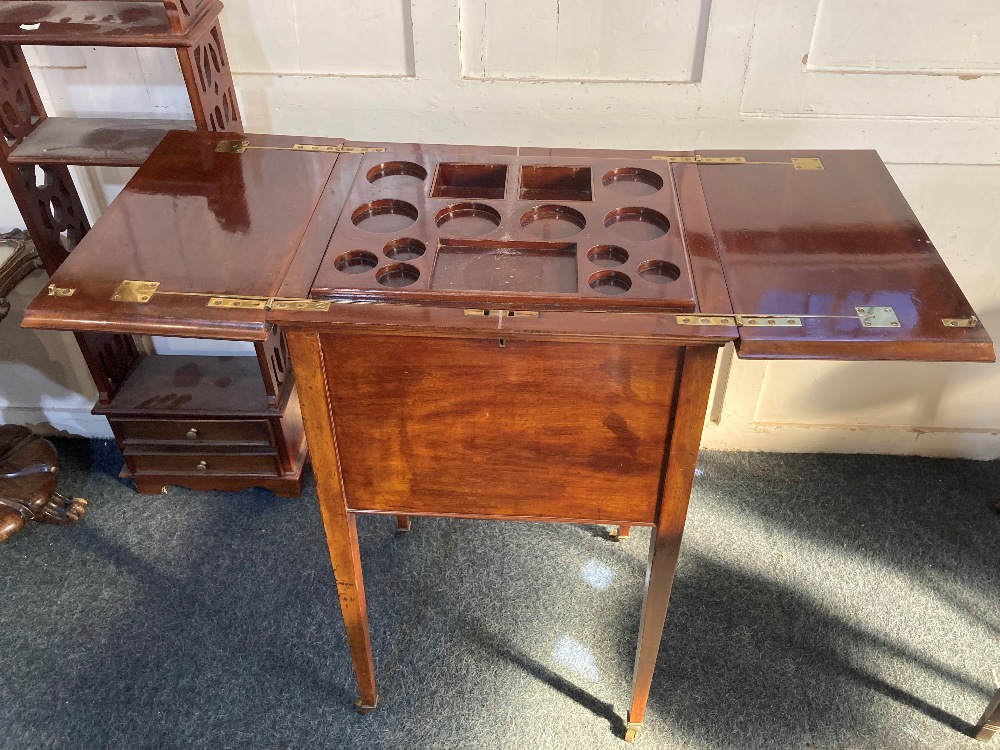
(831,263)
(198,243)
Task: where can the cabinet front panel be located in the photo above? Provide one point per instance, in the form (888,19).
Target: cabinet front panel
(531,429)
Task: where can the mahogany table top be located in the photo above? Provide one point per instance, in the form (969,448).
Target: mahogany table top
(790,254)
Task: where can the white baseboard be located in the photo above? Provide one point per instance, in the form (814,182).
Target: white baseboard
(983,445)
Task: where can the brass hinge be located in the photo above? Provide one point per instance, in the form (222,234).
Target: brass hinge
(804,163)
(877,317)
(135,291)
(502,313)
(970,322)
(739,320)
(338,149)
(57,291)
(141,292)
(238,147)
(269,303)
(868,316)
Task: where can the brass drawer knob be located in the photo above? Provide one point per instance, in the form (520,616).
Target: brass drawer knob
(192,433)
(202,466)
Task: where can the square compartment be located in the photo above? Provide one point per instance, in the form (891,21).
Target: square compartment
(470,181)
(519,267)
(555,184)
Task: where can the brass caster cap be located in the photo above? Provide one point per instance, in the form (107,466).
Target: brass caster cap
(631,732)
(362,709)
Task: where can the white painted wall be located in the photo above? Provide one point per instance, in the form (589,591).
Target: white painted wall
(921,85)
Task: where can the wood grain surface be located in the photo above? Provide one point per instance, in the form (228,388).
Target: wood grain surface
(520,429)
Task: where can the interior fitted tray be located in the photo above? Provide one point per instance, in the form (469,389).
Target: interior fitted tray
(545,232)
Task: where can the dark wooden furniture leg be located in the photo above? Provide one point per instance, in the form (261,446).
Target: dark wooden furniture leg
(402,524)
(990,723)
(341,531)
(665,544)
(623,531)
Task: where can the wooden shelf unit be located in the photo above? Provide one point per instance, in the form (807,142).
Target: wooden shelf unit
(202,422)
(98,23)
(94,142)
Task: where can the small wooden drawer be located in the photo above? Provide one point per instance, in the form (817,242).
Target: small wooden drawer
(259,464)
(193,431)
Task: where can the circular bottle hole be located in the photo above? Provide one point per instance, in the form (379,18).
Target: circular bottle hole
(406,171)
(356,261)
(607,256)
(610,282)
(405,248)
(659,271)
(636,223)
(553,222)
(468,219)
(632,181)
(385,215)
(397,275)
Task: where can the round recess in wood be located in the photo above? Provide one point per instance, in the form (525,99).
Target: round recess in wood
(610,282)
(632,181)
(384,215)
(607,256)
(637,223)
(468,219)
(356,261)
(659,271)
(553,222)
(402,172)
(405,248)
(397,275)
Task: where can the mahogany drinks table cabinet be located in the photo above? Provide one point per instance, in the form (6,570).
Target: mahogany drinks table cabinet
(502,333)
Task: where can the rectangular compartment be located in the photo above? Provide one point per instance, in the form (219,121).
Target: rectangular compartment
(544,183)
(182,386)
(470,181)
(526,267)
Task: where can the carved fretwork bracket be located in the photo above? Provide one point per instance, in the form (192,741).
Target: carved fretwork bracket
(20,106)
(52,211)
(275,366)
(209,82)
(51,208)
(110,358)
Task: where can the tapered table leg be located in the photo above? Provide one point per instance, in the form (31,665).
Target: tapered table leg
(341,531)
(664,547)
(990,723)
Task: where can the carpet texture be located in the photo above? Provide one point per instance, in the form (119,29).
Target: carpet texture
(828,602)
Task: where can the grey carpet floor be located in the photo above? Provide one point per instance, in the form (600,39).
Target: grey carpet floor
(825,602)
